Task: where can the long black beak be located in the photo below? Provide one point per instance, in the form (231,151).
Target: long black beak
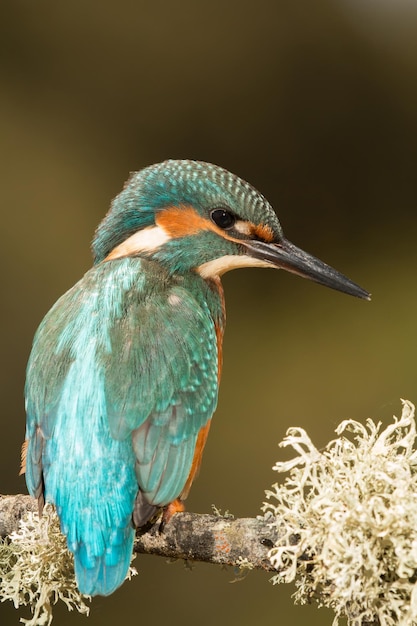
(288,257)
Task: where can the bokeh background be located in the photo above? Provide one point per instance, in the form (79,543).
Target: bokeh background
(315,103)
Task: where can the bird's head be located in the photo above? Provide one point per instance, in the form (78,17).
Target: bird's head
(194,216)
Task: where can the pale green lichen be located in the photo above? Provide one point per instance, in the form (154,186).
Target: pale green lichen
(348,521)
(37,569)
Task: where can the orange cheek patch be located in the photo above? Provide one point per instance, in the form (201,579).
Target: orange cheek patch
(182,221)
(263,232)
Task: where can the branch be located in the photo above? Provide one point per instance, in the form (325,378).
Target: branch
(213,539)
(190,536)
(342,525)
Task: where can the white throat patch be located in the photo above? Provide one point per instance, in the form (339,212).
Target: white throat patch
(223,264)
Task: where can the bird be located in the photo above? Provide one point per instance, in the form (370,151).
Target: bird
(123,377)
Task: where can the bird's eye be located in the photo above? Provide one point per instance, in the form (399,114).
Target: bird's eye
(222,218)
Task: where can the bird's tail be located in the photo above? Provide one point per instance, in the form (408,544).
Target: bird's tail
(102,575)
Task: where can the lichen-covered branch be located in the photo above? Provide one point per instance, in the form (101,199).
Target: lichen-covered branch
(37,569)
(342,526)
(213,539)
(191,536)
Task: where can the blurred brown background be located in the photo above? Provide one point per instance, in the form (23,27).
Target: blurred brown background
(315,103)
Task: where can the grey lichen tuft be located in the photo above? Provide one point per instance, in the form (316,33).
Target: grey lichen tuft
(38,570)
(350,521)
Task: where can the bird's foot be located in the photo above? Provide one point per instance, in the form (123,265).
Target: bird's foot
(176,506)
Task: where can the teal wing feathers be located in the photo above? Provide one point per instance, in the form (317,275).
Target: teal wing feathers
(167,372)
(122,376)
(165,345)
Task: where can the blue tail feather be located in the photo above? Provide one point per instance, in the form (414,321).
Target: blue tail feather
(104,574)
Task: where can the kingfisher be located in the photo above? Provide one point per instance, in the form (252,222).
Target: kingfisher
(123,377)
